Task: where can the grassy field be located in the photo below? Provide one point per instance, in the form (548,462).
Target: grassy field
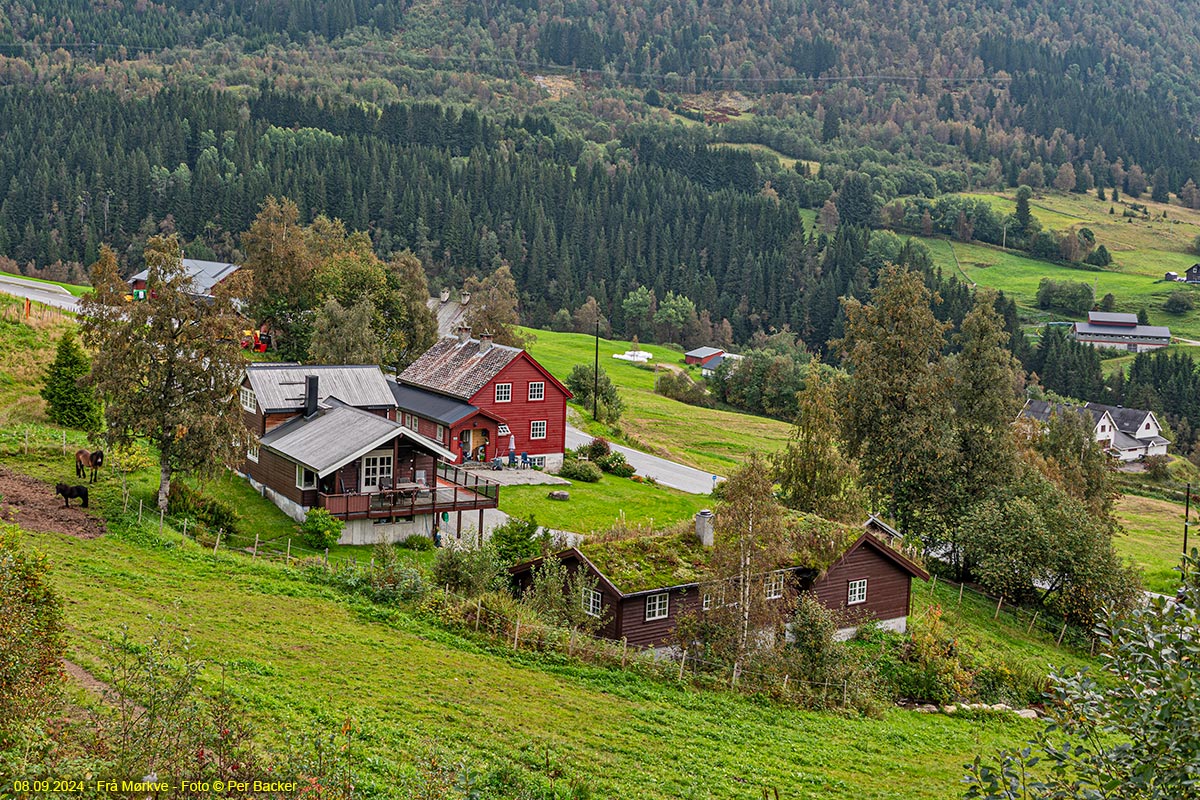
(596,506)
(294,652)
(710,439)
(1154,539)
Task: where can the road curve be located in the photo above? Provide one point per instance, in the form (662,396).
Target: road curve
(44,293)
(668,473)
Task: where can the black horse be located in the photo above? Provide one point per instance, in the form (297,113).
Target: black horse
(68,492)
(85,460)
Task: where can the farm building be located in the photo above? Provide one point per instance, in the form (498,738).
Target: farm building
(1126,434)
(205,275)
(702,355)
(327,437)
(484,401)
(1120,331)
(644,584)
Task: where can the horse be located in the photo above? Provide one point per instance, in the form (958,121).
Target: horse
(85,460)
(68,492)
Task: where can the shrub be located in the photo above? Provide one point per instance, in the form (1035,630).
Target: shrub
(392,581)
(930,669)
(213,514)
(518,540)
(469,571)
(584,471)
(1179,303)
(582,382)
(596,449)
(416,542)
(678,386)
(320,529)
(1157,467)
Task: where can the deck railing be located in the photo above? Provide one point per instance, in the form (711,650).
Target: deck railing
(466,492)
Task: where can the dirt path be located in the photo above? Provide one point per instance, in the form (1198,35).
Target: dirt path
(33,505)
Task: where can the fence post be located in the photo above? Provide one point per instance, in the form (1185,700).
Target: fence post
(185,520)
(217,543)
(125,494)
(682,664)
(786,678)
(255,546)
(479,613)
(933,588)
(289,552)
(733,676)
(960,591)
(998,604)
(1062,633)
(517,635)
(624,648)
(326,558)
(1035,616)
(64,442)
(26,440)
(139,511)
(845,693)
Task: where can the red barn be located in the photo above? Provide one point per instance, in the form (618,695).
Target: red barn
(483,400)
(702,355)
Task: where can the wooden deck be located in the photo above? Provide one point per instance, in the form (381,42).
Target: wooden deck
(456,490)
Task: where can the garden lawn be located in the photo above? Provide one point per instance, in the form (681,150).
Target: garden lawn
(1153,540)
(714,440)
(596,506)
(295,652)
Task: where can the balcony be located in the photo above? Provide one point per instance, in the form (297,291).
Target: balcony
(456,490)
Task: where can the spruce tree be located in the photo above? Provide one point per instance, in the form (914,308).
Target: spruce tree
(69,401)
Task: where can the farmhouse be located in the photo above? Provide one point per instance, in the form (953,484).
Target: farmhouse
(205,275)
(644,584)
(710,367)
(484,401)
(451,314)
(1193,274)
(702,355)
(1126,434)
(1121,331)
(327,437)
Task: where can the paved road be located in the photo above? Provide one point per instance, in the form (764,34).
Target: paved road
(45,293)
(668,473)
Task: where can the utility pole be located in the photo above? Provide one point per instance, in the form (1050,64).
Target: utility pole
(596,377)
(1187,513)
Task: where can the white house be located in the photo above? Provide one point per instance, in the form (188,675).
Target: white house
(1127,434)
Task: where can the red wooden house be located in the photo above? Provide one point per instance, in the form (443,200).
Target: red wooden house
(484,401)
(702,355)
(643,587)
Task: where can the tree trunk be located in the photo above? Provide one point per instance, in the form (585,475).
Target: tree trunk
(164,481)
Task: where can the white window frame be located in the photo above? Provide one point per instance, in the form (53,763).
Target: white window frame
(252,451)
(775,584)
(441,433)
(504,396)
(540,393)
(410,421)
(658,606)
(373,473)
(249,400)
(593,602)
(856,592)
(533,429)
(538,461)
(302,482)
(707,601)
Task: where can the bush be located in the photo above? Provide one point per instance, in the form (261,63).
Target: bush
(929,669)
(212,514)
(1179,303)
(1157,467)
(584,471)
(469,571)
(320,529)
(596,449)
(518,540)
(678,386)
(582,382)
(416,542)
(392,581)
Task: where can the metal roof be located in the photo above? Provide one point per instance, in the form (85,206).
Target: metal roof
(459,369)
(280,387)
(704,352)
(1138,331)
(204,274)
(430,405)
(337,435)
(1111,318)
(1042,409)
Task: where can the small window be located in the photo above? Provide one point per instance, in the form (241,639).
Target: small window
(857,593)
(591,602)
(775,585)
(503,392)
(248,400)
(537,390)
(441,433)
(537,429)
(657,606)
(305,478)
(410,421)
(538,461)
(707,603)
(252,452)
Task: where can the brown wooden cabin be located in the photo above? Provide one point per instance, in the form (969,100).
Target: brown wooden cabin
(871,580)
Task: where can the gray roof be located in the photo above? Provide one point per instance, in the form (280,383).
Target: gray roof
(715,362)
(1111,318)
(704,352)
(450,315)
(1041,410)
(280,387)
(1138,331)
(205,274)
(430,405)
(337,435)
(459,369)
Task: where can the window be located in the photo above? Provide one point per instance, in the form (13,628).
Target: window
(441,433)
(252,452)
(503,392)
(305,478)
(537,429)
(410,421)
(538,461)
(775,585)
(376,469)
(657,606)
(502,429)
(248,400)
(537,390)
(591,602)
(857,593)
(707,603)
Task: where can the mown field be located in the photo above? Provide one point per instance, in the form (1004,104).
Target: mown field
(598,506)
(710,439)
(1154,539)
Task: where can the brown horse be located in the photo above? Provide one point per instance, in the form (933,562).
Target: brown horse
(85,460)
(68,492)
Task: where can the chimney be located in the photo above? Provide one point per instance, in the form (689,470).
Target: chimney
(464,297)
(485,342)
(310,396)
(464,333)
(445,295)
(704,527)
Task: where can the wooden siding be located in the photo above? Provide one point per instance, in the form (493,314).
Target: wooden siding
(633,626)
(276,472)
(888,586)
(520,412)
